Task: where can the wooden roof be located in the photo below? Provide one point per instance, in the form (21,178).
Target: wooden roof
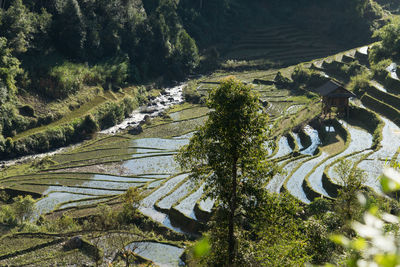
(334,89)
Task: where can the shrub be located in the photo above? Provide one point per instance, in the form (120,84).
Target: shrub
(301,75)
(27,110)
(281,81)
(359,83)
(350,69)
(112,72)
(379,71)
(130,104)
(19,211)
(390,36)
(7,215)
(190,94)
(110,114)
(88,126)
(307,77)
(319,207)
(65,79)
(68,78)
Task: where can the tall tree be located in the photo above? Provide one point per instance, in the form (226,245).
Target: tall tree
(70,29)
(17,26)
(230,151)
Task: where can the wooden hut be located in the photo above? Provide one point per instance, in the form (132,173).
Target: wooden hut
(333,94)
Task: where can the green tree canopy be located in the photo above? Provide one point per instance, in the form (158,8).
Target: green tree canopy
(230,151)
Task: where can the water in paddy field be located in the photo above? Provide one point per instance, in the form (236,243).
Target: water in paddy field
(360,140)
(315,141)
(163,255)
(152,164)
(52,200)
(374,164)
(278,180)
(57,195)
(170,96)
(207,204)
(379,87)
(186,206)
(185,136)
(159,143)
(293,109)
(392,69)
(364,50)
(295,182)
(168,201)
(390,141)
(147,204)
(283,148)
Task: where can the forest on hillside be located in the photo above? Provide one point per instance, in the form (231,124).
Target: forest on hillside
(194,132)
(52,49)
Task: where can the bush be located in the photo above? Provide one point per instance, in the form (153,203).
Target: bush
(68,78)
(64,80)
(301,75)
(376,53)
(110,114)
(319,207)
(379,71)
(359,83)
(19,211)
(113,72)
(390,36)
(190,94)
(307,77)
(350,69)
(281,81)
(27,110)
(88,126)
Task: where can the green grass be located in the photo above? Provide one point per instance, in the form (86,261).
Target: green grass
(172,129)
(12,243)
(78,113)
(189,113)
(100,97)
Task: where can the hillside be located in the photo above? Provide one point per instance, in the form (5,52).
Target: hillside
(97,81)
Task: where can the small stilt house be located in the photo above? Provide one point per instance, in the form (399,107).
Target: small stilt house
(333,94)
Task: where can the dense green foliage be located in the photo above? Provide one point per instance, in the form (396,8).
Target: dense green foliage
(19,211)
(230,150)
(154,36)
(390,45)
(56,48)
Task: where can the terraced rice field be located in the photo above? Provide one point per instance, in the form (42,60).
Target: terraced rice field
(359,141)
(159,253)
(99,170)
(281,44)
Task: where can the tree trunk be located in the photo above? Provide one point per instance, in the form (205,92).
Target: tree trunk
(231,237)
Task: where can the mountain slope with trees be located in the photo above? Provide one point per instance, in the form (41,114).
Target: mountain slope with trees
(54,50)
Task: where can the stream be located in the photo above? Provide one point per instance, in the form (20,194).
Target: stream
(169,97)
(61,193)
